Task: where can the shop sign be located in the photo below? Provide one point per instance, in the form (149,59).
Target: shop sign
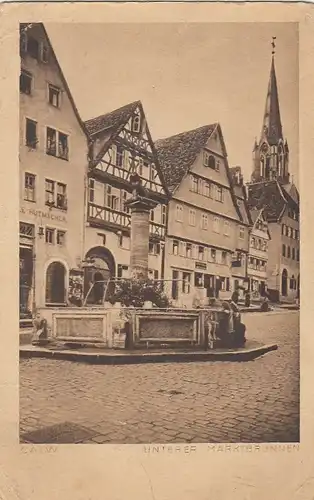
(42,215)
(201,265)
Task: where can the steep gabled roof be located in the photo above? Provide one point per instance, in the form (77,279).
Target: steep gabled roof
(26,26)
(255,214)
(177,153)
(112,120)
(269,196)
(292,192)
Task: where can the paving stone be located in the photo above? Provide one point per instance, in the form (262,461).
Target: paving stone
(221,402)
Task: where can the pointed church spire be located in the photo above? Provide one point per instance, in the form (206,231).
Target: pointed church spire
(272,128)
(271,156)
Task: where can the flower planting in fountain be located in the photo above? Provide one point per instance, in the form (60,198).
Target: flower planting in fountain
(135,292)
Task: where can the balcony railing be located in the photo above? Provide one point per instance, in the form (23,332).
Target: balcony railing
(108,215)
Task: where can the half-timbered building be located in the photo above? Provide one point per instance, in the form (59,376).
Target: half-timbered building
(258,254)
(121,145)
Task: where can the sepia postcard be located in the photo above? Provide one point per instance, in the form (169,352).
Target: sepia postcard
(156,209)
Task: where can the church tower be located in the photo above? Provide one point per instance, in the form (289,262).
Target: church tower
(271,153)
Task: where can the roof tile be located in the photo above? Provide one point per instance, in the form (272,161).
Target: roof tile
(176,154)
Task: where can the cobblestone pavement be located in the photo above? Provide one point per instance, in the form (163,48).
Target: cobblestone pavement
(255,401)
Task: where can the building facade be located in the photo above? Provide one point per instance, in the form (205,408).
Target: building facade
(53,163)
(205,224)
(120,146)
(240,263)
(270,190)
(258,254)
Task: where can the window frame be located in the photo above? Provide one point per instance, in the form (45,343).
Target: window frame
(58,92)
(31,143)
(27,74)
(52,231)
(30,189)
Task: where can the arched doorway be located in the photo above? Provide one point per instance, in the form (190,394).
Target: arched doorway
(55,283)
(102,268)
(284,283)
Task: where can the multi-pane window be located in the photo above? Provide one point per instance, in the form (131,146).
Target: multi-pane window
(219,194)
(25,82)
(163,214)
(61,201)
(57,144)
(55,194)
(213,254)
(194,184)
(186,282)
(34,48)
(54,94)
(136,123)
(226,228)
(152,172)
(206,189)
(199,280)
(140,167)
(188,250)
(216,225)
(192,217)
(119,156)
(204,221)
(60,237)
(91,190)
(175,247)
(182,248)
(154,248)
(111,199)
(179,213)
(50,235)
(289,252)
(51,146)
(201,253)
(63,148)
(29,187)
(209,160)
(49,192)
(241,232)
(224,257)
(31,133)
(293,253)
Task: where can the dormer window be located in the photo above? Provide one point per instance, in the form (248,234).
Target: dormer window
(136,123)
